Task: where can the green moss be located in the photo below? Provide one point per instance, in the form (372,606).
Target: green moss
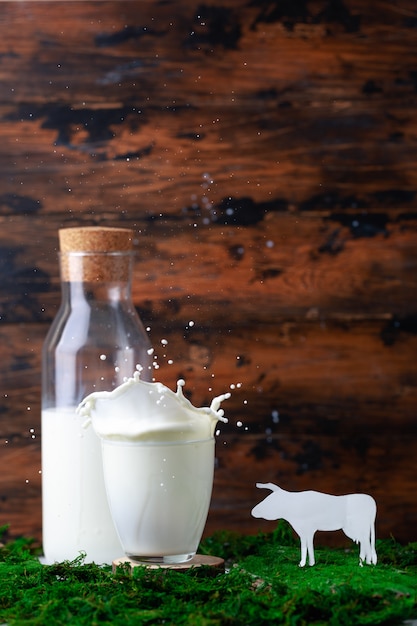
(263,585)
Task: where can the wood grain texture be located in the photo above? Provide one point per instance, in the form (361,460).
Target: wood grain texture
(265,155)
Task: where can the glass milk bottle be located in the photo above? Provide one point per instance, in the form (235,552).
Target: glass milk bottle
(94,343)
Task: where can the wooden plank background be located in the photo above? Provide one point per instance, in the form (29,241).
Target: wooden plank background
(265,154)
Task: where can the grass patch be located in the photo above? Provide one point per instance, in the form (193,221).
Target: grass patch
(263,585)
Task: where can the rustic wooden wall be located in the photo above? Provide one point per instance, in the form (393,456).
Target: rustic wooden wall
(265,154)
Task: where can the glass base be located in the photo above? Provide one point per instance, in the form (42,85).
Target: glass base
(171,559)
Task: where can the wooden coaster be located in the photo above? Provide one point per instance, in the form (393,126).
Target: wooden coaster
(197,561)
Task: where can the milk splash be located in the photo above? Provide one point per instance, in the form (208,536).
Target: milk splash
(158,464)
(139,411)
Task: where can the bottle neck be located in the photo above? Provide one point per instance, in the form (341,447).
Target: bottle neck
(85,292)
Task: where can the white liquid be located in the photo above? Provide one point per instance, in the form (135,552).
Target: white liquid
(158,459)
(75,511)
(159,495)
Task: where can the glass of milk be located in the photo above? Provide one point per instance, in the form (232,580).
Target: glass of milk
(158,462)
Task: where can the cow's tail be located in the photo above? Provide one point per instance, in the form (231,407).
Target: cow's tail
(374,557)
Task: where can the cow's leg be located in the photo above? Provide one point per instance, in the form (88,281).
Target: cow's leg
(361,553)
(303,550)
(368,551)
(310,549)
(359,541)
(365,551)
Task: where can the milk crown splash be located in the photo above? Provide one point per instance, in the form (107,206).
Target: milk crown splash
(139,411)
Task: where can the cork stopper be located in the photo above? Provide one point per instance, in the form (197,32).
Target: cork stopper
(95,253)
(95,239)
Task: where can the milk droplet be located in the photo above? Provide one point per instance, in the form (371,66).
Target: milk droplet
(239,424)
(150,350)
(103,357)
(275,417)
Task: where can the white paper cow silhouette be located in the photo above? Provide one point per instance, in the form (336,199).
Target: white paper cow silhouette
(309,511)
